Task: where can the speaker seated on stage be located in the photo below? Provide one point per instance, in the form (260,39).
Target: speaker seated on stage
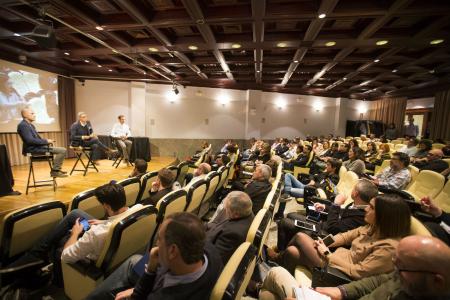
(82,134)
(120,133)
(34,144)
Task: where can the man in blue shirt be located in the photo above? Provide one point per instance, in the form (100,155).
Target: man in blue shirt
(33,143)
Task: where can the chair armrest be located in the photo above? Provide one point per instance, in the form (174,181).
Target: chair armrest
(315,199)
(329,276)
(424,217)
(88,269)
(28,266)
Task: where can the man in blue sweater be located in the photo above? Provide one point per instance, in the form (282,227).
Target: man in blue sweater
(33,143)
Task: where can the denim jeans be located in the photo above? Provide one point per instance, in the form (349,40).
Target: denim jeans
(292,186)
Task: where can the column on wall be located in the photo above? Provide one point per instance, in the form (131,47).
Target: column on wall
(138,108)
(253,114)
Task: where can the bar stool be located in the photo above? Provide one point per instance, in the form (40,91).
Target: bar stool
(79,152)
(37,157)
(119,157)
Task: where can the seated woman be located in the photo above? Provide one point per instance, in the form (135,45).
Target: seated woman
(371,155)
(383,154)
(371,246)
(355,161)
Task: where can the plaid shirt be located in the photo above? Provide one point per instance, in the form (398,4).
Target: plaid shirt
(391,179)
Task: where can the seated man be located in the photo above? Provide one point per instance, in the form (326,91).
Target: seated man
(397,175)
(433,162)
(182,266)
(160,187)
(230,233)
(259,186)
(82,134)
(339,219)
(221,160)
(33,143)
(69,242)
(411,147)
(422,272)
(121,132)
(140,168)
(200,173)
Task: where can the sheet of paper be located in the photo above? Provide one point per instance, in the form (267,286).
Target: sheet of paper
(309,294)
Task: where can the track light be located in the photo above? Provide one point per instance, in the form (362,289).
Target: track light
(175,89)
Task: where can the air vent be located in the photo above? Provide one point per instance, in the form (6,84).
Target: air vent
(232,28)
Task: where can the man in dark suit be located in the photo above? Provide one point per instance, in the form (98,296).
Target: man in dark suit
(82,134)
(160,187)
(433,161)
(228,234)
(33,143)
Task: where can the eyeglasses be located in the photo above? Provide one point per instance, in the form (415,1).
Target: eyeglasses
(400,270)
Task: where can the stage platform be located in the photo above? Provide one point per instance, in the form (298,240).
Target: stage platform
(69,186)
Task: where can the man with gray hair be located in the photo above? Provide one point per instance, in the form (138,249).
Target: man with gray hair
(259,186)
(228,234)
(200,173)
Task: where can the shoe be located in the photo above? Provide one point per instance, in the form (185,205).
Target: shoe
(58,174)
(285,198)
(60,171)
(96,162)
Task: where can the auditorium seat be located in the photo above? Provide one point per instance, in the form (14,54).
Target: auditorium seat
(22,228)
(127,235)
(437,146)
(132,187)
(183,168)
(195,195)
(223,171)
(305,169)
(414,171)
(259,230)
(386,163)
(174,171)
(442,200)
(427,183)
(87,202)
(236,274)
(146,184)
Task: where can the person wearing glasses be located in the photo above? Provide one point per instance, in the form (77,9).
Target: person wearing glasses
(397,175)
(433,162)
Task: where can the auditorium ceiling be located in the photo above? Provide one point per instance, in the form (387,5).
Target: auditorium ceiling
(363,49)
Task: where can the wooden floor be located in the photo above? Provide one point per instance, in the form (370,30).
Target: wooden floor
(70,186)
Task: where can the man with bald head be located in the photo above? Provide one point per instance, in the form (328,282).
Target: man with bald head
(33,143)
(200,173)
(422,271)
(433,162)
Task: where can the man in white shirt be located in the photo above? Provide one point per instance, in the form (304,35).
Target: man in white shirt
(121,132)
(70,242)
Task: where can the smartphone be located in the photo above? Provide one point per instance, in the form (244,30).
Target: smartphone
(85,224)
(328,240)
(313,216)
(305,225)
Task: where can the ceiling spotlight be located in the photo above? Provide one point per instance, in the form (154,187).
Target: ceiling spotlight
(144,72)
(281,45)
(258,71)
(16,34)
(110,70)
(329,44)
(435,42)
(345,78)
(86,60)
(99,66)
(193,47)
(153,49)
(296,61)
(236,46)
(394,71)
(382,42)
(99,27)
(321,16)
(66,53)
(156,64)
(431,71)
(376,60)
(175,89)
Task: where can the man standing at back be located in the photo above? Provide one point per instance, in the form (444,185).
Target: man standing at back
(33,143)
(121,132)
(411,130)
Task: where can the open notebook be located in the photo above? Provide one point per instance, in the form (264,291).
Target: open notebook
(309,294)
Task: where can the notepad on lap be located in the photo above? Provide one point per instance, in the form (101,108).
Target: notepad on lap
(309,294)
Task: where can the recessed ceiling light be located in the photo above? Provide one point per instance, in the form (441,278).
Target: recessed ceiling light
(66,53)
(382,42)
(329,44)
(86,60)
(258,71)
(99,27)
(236,46)
(345,78)
(281,45)
(296,61)
(153,49)
(16,34)
(193,47)
(110,70)
(435,42)
(394,71)
(376,60)
(99,66)
(321,16)
(431,71)
(144,72)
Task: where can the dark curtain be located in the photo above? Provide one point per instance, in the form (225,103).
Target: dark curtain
(440,120)
(389,110)
(67,114)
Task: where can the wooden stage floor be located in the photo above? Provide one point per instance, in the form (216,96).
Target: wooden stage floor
(69,186)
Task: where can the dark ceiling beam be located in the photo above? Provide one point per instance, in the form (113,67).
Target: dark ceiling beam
(158,34)
(258,13)
(195,11)
(155,65)
(326,7)
(426,87)
(368,32)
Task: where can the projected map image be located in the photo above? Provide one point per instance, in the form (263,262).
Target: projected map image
(21,87)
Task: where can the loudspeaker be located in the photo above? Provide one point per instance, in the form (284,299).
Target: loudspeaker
(44,36)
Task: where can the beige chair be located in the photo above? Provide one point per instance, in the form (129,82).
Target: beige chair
(437,146)
(386,163)
(213,179)
(427,183)
(146,184)
(442,200)
(132,187)
(305,169)
(23,228)
(224,172)
(195,195)
(399,147)
(259,229)
(236,274)
(87,202)
(127,235)
(183,168)
(414,171)
(174,171)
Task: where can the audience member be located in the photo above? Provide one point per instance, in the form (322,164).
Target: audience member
(411,130)
(160,187)
(433,162)
(440,227)
(200,173)
(397,175)
(391,132)
(422,152)
(140,168)
(411,147)
(355,161)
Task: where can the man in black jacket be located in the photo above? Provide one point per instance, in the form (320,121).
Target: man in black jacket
(433,162)
(160,187)
(230,233)
(183,266)
(340,219)
(33,143)
(259,187)
(82,134)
